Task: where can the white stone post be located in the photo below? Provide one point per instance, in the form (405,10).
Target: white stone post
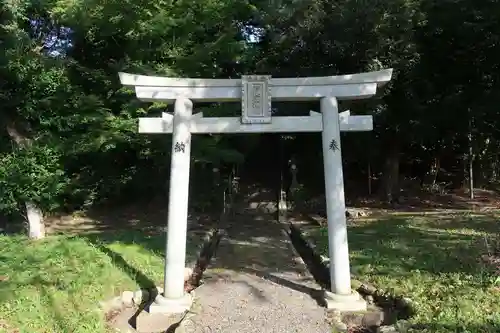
(341,296)
(335,201)
(175,257)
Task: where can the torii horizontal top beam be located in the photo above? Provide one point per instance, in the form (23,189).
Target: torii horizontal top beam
(352,86)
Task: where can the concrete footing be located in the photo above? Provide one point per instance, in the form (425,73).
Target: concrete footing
(172,306)
(351,302)
(146,322)
(163,314)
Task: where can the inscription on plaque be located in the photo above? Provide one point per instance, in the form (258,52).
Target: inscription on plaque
(256,99)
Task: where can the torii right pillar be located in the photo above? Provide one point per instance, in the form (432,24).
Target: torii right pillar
(341,296)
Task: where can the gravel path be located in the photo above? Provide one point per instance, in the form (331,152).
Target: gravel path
(256,283)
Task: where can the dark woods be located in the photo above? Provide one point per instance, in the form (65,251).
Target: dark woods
(70,138)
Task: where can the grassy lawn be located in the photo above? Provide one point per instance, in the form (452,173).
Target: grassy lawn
(55,285)
(434,260)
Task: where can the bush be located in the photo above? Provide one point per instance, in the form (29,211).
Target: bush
(31,174)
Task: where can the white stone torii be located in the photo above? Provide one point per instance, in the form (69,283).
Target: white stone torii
(256,93)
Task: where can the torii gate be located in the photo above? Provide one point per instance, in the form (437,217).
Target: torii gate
(256,93)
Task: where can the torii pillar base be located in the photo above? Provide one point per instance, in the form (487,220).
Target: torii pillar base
(162,314)
(171,305)
(344,303)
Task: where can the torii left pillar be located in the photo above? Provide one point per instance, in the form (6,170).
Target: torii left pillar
(174,299)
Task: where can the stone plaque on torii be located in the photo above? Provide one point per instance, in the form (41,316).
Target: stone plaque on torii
(256,92)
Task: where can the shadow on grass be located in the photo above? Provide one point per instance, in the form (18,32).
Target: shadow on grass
(153,242)
(142,280)
(435,261)
(132,252)
(399,247)
(141,253)
(488,223)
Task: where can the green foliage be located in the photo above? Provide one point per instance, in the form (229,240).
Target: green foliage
(59,86)
(33,174)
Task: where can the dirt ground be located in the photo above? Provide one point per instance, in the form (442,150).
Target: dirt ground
(151,217)
(458,199)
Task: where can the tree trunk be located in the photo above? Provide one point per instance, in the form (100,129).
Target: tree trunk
(484,164)
(34,215)
(493,178)
(390,180)
(471,161)
(369,179)
(36,225)
(431,176)
(471,178)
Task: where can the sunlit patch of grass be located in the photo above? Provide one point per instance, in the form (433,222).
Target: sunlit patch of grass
(55,285)
(434,260)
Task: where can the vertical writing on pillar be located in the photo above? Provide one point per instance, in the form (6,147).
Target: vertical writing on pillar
(334,146)
(180,147)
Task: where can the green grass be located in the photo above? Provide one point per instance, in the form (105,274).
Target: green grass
(55,285)
(435,261)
